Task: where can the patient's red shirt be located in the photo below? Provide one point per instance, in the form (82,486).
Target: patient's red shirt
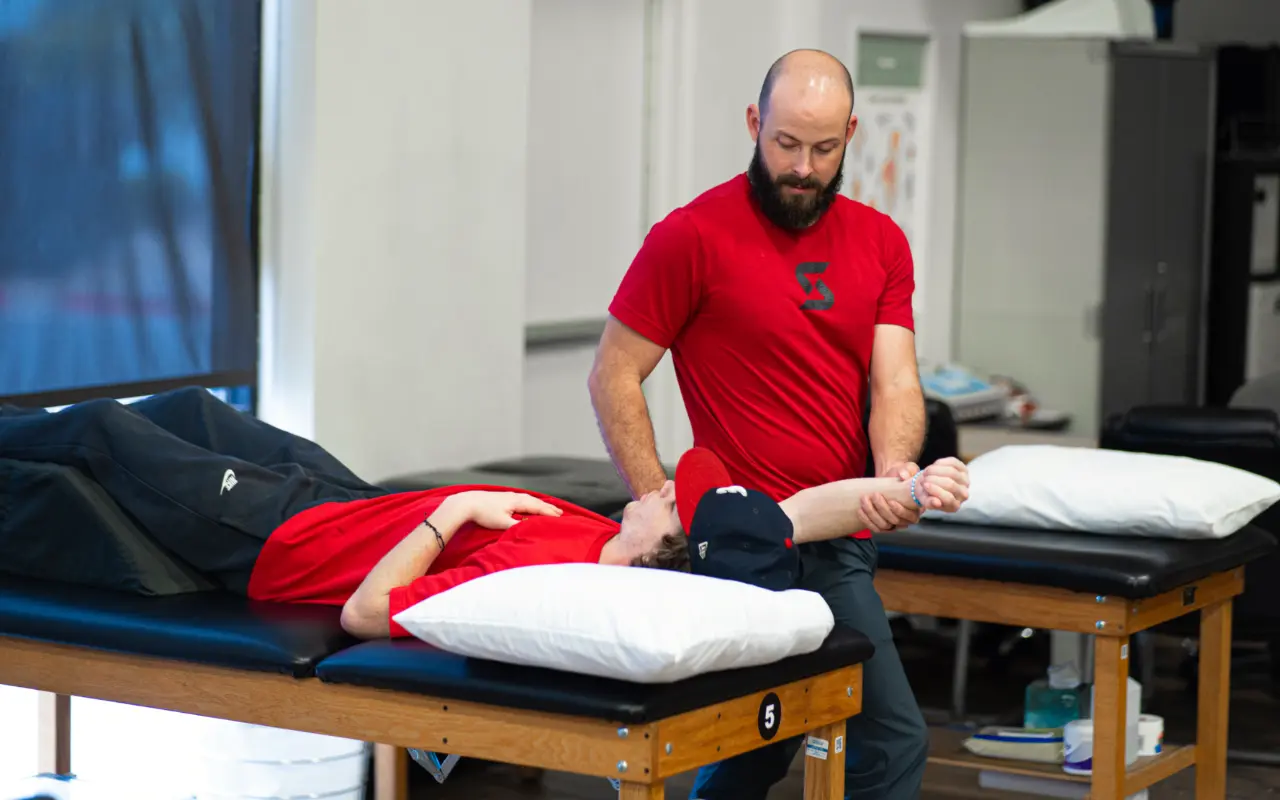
(322,554)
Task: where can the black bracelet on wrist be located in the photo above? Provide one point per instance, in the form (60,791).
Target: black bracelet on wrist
(436,531)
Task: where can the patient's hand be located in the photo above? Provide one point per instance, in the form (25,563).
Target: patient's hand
(944,485)
(495,510)
(881,514)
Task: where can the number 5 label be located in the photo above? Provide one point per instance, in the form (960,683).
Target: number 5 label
(770,716)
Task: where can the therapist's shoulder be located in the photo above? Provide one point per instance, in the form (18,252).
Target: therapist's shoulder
(727,202)
(863,220)
(723,205)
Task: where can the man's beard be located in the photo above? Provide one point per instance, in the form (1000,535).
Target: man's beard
(791,211)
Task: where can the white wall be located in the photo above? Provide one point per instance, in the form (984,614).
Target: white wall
(586,138)
(394,294)
(558,417)
(586,195)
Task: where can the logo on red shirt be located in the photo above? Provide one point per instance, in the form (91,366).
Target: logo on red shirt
(803,271)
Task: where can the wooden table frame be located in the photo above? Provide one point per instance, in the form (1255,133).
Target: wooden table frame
(641,756)
(1112,620)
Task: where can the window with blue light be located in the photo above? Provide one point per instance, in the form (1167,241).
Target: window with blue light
(128,198)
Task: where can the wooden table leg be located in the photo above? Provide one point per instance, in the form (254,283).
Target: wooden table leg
(1111,692)
(824,763)
(1213,701)
(642,791)
(390,772)
(53,727)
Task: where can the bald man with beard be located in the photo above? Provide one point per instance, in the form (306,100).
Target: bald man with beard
(786,306)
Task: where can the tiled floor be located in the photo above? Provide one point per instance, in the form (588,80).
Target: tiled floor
(996,690)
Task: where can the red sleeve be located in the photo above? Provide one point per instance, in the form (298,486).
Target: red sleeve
(895,301)
(534,540)
(661,288)
(403,597)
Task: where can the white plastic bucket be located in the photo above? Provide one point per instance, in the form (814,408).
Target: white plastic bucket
(250,762)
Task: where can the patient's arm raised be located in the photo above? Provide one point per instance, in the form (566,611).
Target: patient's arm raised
(832,510)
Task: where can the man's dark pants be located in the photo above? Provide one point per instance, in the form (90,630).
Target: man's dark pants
(208,483)
(887,744)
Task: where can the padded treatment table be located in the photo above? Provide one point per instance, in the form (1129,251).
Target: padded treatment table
(292,666)
(588,482)
(1109,586)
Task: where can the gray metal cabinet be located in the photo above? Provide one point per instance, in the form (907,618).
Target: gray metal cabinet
(1082,220)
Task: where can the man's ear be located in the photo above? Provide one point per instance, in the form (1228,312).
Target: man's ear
(853,126)
(753,122)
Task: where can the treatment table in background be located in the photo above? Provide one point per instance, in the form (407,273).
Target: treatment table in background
(293,667)
(1109,586)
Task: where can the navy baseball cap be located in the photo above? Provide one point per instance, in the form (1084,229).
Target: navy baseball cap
(734,533)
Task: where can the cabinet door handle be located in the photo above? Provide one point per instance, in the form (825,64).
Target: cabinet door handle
(1149,309)
(1157,312)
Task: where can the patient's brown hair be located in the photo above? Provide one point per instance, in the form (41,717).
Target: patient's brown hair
(671,553)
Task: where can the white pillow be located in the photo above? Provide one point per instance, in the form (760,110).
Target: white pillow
(1111,491)
(630,623)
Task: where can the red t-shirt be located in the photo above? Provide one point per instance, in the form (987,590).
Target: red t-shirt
(323,554)
(771,330)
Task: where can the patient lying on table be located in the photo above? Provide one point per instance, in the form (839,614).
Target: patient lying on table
(273,516)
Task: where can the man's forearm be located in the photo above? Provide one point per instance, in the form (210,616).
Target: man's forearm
(365,614)
(627,430)
(897,425)
(831,511)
